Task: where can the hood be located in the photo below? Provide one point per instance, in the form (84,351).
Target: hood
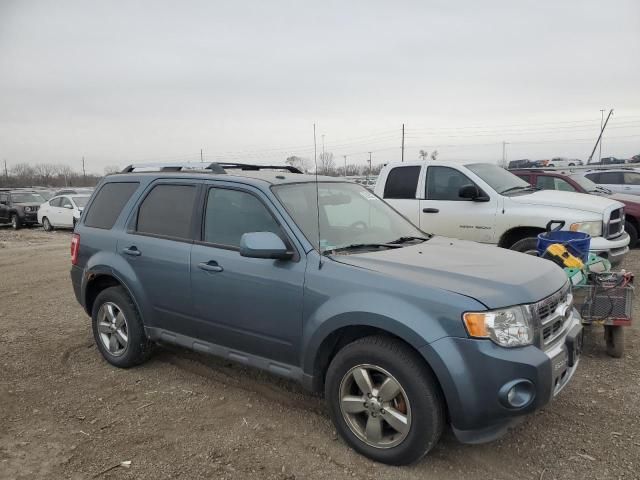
(625,198)
(575,201)
(492,275)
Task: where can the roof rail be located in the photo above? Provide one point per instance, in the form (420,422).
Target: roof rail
(214,167)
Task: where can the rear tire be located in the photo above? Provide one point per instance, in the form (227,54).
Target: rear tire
(633,233)
(46,225)
(526,245)
(15,222)
(118,329)
(614,338)
(396,425)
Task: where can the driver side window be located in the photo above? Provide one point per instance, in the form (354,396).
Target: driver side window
(444,183)
(55,202)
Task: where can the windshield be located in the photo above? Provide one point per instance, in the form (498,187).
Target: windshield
(80,201)
(498,178)
(27,198)
(349,214)
(585,183)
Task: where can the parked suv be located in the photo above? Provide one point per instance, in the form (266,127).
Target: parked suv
(488,204)
(397,327)
(575,182)
(19,207)
(622,180)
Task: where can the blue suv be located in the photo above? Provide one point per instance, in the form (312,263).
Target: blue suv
(320,281)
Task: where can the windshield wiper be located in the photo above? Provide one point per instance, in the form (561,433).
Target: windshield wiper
(519,187)
(407,239)
(358,246)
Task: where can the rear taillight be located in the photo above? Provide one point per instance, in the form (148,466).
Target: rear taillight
(75,248)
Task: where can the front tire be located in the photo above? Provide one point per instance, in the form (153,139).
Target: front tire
(118,329)
(633,233)
(526,245)
(384,400)
(15,222)
(46,225)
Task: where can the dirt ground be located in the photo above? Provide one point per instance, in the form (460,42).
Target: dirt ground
(66,413)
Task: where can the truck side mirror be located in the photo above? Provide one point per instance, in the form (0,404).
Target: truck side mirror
(263,245)
(473,193)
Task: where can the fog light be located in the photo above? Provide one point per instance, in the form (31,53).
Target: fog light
(517,393)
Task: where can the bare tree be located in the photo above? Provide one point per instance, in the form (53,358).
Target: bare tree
(434,155)
(423,154)
(45,172)
(23,173)
(298,162)
(111,169)
(326,165)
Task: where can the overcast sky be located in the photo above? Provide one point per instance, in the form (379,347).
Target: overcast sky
(127,81)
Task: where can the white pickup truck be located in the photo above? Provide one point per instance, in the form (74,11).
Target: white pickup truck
(487,204)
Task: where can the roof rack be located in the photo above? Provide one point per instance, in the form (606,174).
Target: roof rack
(214,167)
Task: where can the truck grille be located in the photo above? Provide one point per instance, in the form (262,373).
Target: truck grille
(553,314)
(615,226)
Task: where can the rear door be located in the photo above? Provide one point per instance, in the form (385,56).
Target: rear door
(251,305)
(157,245)
(444,212)
(631,183)
(401,189)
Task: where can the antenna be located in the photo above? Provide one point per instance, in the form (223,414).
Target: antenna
(315,160)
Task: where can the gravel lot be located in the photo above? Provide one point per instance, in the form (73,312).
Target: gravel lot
(66,413)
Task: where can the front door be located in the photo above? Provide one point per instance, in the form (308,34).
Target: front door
(444,212)
(252,305)
(64,216)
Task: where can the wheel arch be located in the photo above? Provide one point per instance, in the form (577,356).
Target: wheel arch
(514,234)
(98,280)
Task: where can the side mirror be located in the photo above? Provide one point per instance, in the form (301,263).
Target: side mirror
(263,245)
(70,207)
(473,193)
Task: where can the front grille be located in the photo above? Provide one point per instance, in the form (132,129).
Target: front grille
(553,314)
(615,226)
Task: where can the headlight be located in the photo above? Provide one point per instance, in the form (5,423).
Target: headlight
(592,228)
(27,209)
(509,327)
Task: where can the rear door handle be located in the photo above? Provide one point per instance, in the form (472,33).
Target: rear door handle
(210,266)
(430,210)
(132,250)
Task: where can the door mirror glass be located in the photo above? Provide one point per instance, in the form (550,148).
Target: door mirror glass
(263,245)
(472,192)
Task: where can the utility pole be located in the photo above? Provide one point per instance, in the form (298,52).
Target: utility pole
(402,143)
(6,172)
(323,146)
(201,159)
(345,165)
(601,122)
(84,173)
(504,154)
(604,125)
(369,172)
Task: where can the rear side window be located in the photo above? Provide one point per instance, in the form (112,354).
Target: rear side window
(167,211)
(108,204)
(610,178)
(402,182)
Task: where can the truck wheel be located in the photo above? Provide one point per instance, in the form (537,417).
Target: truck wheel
(526,245)
(633,233)
(118,330)
(384,400)
(614,338)
(15,222)
(46,225)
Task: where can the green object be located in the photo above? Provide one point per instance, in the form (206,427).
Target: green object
(576,276)
(597,264)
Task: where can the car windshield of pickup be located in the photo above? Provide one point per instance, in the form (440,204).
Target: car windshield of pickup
(499,179)
(352,219)
(27,198)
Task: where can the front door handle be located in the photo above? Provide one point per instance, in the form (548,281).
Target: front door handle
(132,250)
(430,210)
(210,266)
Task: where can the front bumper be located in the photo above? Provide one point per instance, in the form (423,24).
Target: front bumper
(613,249)
(474,373)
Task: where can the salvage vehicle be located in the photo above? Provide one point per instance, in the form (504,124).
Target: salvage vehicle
(19,207)
(575,182)
(488,204)
(318,280)
(62,211)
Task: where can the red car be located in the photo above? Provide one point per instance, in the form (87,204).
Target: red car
(570,182)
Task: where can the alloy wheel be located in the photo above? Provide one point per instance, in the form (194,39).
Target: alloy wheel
(375,406)
(113,329)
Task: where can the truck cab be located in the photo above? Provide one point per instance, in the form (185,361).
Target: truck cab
(487,204)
